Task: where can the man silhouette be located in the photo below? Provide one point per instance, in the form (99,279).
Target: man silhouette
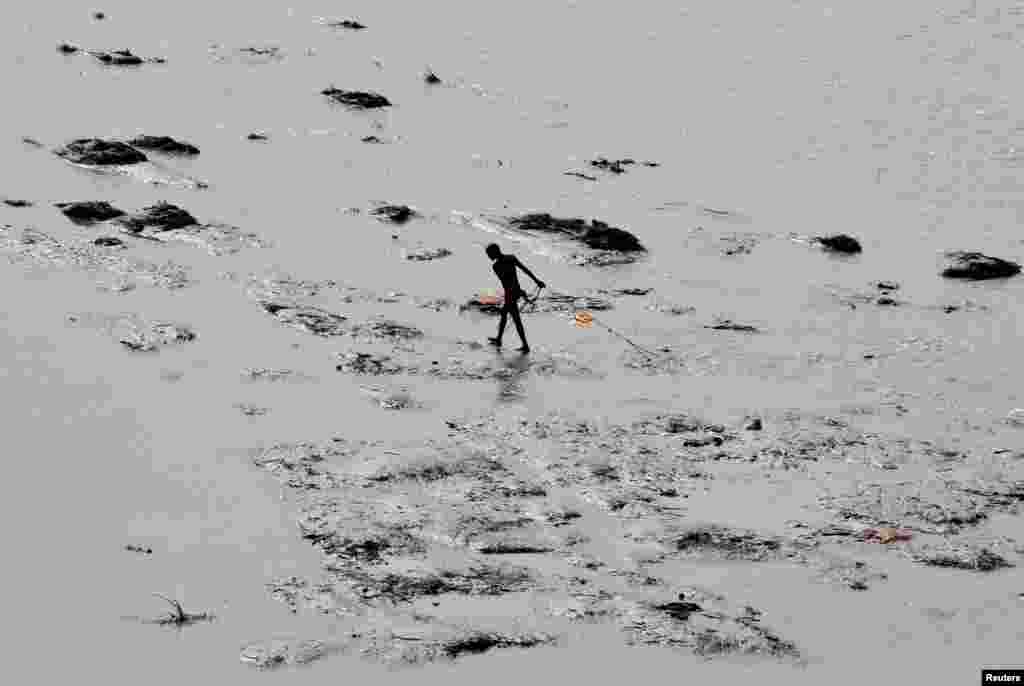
(505,268)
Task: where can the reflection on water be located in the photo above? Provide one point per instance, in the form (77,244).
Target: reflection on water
(511,377)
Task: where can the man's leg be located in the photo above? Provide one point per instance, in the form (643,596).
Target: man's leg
(501,326)
(518,321)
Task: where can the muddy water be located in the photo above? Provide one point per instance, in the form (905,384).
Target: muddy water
(898,125)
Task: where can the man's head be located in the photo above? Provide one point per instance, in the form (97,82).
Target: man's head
(493,251)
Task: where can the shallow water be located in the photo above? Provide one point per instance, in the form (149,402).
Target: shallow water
(896,124)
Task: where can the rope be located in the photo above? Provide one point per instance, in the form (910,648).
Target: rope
(532,301)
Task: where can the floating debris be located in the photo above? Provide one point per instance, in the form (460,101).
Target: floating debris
(156,218)
(394,214)
(90,211)
(729,325)
(178,617)
(132,548)
(840,243)
(426,254)
(164,144)
(596,234)
(123,58)
(975,266)
(99,152)
(277,653)
(356,99)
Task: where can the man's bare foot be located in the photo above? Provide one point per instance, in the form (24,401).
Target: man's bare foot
(524,349)
(496,342)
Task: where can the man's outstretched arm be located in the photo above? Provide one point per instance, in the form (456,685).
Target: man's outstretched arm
(529,273)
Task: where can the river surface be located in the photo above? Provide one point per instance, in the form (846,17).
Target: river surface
(898,123)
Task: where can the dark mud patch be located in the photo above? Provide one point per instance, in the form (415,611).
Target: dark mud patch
(435,467)
(430,78)
(729,325)
(117,158)
(356,100)
(580,175)
(394,214)
(718,542)
(141,550)
(256,136)
(67,49)
(164,144)
(432,643)
(617,166)
(38,248)
(634,291)
(99,152)
(596,235)
(167,223)
(974,266)
(89,211)
(18,203)
(397,588)
(349,24)
(123,58)
(135,333)
(612,166)
(840,243)
(162,216)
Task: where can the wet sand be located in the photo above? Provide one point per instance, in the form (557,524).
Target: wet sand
(785,121)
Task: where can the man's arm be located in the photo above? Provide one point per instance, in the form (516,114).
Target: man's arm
(529,273)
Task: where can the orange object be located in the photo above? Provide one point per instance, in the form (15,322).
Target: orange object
(888,534)
(584,319)
(490,298)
